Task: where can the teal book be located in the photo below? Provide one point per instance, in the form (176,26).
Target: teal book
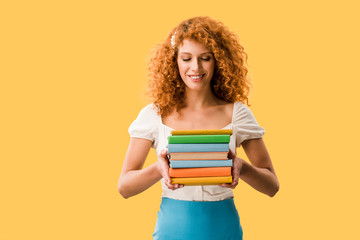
(200,163)
(198,147)
(199,139)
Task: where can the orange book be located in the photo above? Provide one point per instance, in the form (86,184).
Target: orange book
(200,172)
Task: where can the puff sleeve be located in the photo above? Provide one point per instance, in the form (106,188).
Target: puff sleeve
(146,125)
(245,125)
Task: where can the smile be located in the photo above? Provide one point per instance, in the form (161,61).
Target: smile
(196,77)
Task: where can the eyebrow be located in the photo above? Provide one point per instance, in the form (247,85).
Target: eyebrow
(200,54)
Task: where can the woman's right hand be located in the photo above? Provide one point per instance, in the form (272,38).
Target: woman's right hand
(163,166)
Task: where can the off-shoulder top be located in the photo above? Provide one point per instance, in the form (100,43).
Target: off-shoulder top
(148,125)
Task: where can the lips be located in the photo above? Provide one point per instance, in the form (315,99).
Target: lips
(197,77)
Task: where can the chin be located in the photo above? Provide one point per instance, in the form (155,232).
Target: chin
(196,86)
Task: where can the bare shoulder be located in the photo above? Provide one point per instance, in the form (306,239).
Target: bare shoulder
(225,107)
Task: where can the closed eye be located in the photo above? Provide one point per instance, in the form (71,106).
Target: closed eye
(204,59)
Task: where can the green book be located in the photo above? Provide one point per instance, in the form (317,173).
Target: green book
(199,139)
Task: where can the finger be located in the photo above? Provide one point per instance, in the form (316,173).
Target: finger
(165,168)
(166,175)
(179,185)
(231,185)
(239,165)
(168,183)
(163,156)
(163,153)
(235,182)
(231,154)
(168,179)
(172,186)
(236,176)
(226,185)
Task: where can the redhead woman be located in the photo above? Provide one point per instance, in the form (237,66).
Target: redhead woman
(197,80)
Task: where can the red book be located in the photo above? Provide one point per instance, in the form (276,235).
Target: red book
(200,172)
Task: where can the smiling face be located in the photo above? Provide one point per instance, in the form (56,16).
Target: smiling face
(196,64)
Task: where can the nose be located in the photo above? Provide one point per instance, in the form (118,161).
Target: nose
(195,65)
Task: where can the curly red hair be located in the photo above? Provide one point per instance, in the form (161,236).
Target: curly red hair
(229,82)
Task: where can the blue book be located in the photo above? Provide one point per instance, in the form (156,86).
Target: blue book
(198,147)
(200,163)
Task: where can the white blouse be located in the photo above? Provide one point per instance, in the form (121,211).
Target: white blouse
(148,125)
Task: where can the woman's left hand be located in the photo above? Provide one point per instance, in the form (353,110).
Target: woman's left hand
(236,168)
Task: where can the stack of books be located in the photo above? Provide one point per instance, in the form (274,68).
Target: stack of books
(200,157)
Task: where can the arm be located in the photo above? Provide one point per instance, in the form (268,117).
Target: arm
(260,174)
(133,179)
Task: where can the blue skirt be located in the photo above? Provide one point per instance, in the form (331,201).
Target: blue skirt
(184,220)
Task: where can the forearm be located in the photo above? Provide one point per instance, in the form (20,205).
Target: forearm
(261,179)
(137,181)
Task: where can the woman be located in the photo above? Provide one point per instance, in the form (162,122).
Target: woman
(198,80)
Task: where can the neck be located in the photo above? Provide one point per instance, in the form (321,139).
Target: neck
(199,99)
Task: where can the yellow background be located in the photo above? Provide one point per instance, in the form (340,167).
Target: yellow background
(72,79)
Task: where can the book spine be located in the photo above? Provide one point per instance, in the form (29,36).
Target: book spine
(200,172)
(200,163)
(199,139)
(198,147)
(199,156)
(202,180)
(202,132)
